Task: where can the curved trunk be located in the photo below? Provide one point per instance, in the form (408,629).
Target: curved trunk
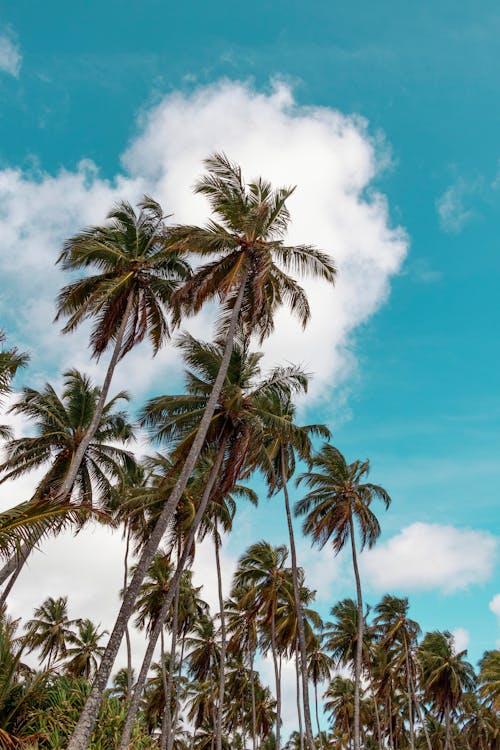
(220,706)
(141,680)
(277,677)
(299,613)
(85,726)
(297,694)
(127,631)
(359,644)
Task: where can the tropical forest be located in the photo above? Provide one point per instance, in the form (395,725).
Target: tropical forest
(366,675)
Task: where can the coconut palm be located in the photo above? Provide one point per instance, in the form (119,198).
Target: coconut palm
(84,651)
(445,676)
(50,629)
(489,678)
(340,705)
(287,440)
(60,424)
(319,667)
(337,500)
(248,242)
(262,572)
(11,360)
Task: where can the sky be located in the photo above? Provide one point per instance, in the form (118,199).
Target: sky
(386,118)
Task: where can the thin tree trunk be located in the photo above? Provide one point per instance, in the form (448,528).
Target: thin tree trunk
(421,718)
(320,739)
(165,685)
(254,712)
(10,584)
(299,612)
(447,744)
(409,691)
(141,680)
(359,644)
(127,630)
(220,706)
(85,726)
(277,677)
(169,737)
(297,693)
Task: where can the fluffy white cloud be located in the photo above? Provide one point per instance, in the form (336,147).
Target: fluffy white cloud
(494,607)
(328,155)
(431,556)
(461,639)
(10,55)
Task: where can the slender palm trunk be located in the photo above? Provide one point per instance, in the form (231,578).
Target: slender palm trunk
(359,644)
(164,684)
(168,742)
(297,694)
(421,718)
(127,630)
(141,680)
(220,705)
(254,712)
(409,694)
(277,677)
(317,715)
(299,613)
(85,726)
(10,584)
(447,742)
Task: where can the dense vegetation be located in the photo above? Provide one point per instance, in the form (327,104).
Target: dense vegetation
(368,676)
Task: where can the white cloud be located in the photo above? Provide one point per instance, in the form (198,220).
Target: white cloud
(10,55)
(461,638)
(494,607)
(431,556)
(451,207)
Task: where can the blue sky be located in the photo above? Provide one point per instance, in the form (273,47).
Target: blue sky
(418,393)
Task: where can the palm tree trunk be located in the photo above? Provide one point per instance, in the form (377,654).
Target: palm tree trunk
(277,678)
(10,584)
(409,694)
(299,612)
(220,706)
(447,742)
(165,686)
(359,644)
(317,715)
(297,693)
(127,631)
(141,680)
(421,718)
(169,736)
(85,726)
(254,711)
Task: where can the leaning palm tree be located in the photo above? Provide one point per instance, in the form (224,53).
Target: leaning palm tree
(337,499)
(50,629)
(287,440)
(60,424)
(445,676)
(250,274)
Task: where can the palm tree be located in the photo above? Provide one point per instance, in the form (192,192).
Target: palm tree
(445,675)
(489,678)
(287,439)
(261,571)
(248,240)
(84,650)
(50,629)
(11,360)
(337,499)
(319,667)
(340,705)
(60,424)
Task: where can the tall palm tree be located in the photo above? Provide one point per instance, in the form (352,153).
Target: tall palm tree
(286,441)
(445,675)
(11,360)
(248,242)
(61,423)
(338,498)
(262,572)
(127,298)
(84,650)
(319,666)
(50,629)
